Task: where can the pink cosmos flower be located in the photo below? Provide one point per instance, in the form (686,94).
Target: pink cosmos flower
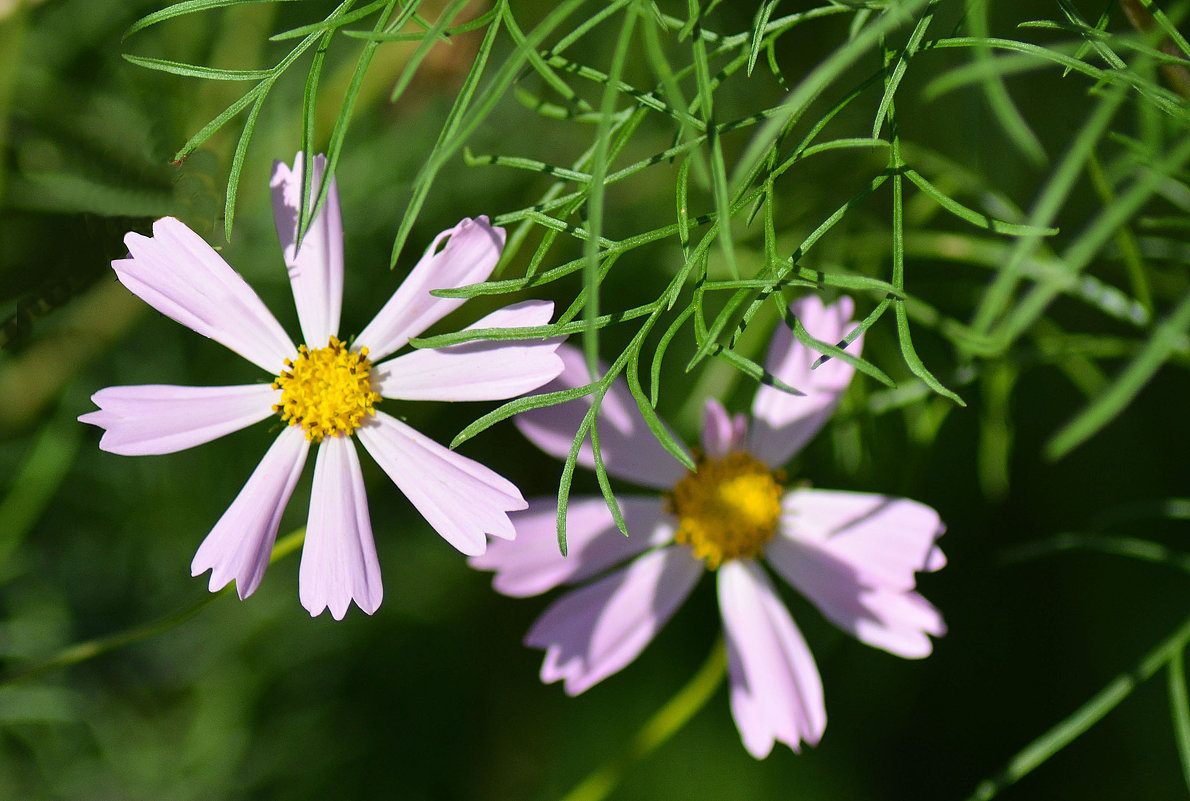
(854,555)
(327,391)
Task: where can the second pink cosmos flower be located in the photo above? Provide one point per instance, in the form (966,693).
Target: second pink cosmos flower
(854,555)
(327,392)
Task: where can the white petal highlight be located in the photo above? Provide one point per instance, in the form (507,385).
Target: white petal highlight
(480,370)
(596,630)
(783,423)
(459,497)
(161,418)
(339,563)
(855,556)
(776,692)
(531,564)
(240,544)
(628,447)
(470,255)
(181,276)
(316,270)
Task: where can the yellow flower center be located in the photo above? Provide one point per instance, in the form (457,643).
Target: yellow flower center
(326,391)
(727,508)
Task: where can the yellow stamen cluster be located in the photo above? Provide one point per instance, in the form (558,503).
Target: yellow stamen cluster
(326,392)
(727,508)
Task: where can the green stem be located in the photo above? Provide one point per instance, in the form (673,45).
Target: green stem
(1083,718)
(663,725)
(83,651)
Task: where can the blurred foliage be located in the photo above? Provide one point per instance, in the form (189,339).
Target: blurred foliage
(1002,186)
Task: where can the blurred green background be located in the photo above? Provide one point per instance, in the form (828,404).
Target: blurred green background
(434,697)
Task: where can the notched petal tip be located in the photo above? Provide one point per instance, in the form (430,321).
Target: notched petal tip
(598,629)
(241,543)
(339,563)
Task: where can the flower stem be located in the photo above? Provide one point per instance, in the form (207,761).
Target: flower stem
(1085,716)
(89,649)
(659,728)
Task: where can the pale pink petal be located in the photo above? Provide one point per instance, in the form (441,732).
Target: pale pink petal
(459,497)
(722,433)
(339,563)
(469,257)
(531,564)
(315,271)
(596,630)
(479,370)
(628,447)
(160,418)
(181,276)
(776,692)
(240,544)
(886,539)
(783,423)
(854,556)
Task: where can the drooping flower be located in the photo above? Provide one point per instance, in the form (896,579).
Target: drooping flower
(854,555)
(327,391)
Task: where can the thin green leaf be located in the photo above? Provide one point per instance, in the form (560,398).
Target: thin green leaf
(423,49)
(912,360)
(328,25)
(463,119)
(90,649)
(762,20)
(970,215)
(237,161)
(518,405)
(1083,718)
(1180,711)
(659,354)
(1166,339)
(188,7)
(1130,547)
(1080,252)
(605,487)
(660,431)
(1057,189)
(718,164)
(196,70)
(754,370)
(595,200)
(814,84)
(835,351)
(204,133)
(1167,26)
(343,119)
(898,71)
(1004,111)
